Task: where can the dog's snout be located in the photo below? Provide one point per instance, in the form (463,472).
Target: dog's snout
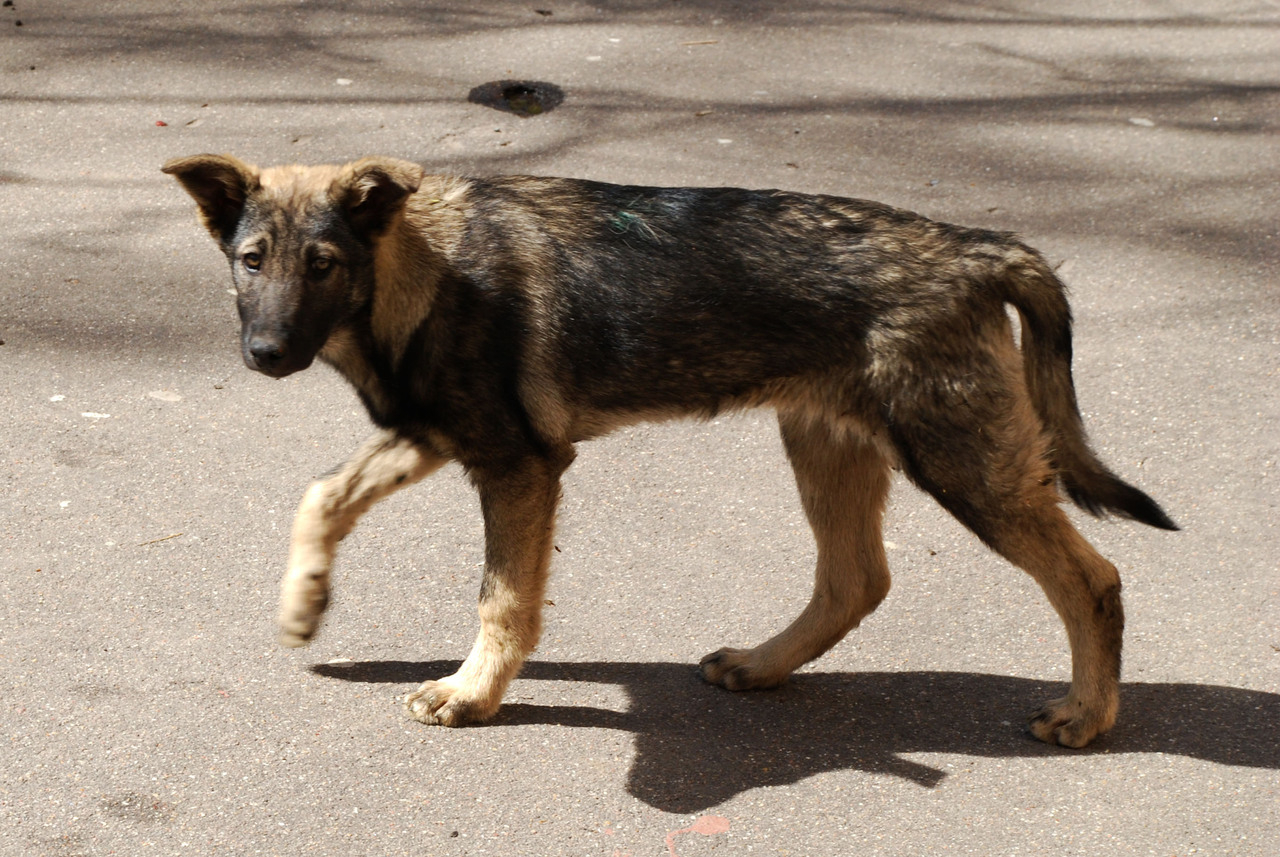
(268,353)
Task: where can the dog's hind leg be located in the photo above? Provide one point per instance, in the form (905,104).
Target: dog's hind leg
(329,510)
(986,460)
(1030,530)
(519,506)
(844,482)
(1084,588)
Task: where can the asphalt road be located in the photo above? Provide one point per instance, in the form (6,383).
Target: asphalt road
(148,478)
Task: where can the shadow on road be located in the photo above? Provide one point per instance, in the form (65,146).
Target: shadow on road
(698,746)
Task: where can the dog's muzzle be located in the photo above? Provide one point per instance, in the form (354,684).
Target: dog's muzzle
(272,356)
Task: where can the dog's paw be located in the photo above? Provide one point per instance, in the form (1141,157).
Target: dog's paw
(302,604)
(1069,723)
(297,634)
(299,626)
(736,669)
(444,703)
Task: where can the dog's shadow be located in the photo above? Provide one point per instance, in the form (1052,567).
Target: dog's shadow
(697,745)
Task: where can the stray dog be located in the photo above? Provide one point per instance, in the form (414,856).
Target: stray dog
(497,322)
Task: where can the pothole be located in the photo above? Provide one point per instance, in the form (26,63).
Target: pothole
(524,98)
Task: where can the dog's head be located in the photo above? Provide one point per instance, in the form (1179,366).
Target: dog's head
(300,241)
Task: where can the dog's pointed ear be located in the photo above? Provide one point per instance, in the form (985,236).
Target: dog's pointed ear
(220,184)
(372,191)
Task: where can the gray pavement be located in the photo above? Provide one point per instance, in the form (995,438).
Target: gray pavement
(148,478)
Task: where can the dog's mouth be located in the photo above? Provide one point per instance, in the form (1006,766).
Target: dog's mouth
(277,371)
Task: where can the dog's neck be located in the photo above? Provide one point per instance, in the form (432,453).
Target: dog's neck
(410,259)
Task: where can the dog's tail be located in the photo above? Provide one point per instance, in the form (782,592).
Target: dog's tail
(1027,282)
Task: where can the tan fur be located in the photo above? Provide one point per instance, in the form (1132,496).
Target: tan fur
(844,482)
(519,513)
(439,210)
(329,511)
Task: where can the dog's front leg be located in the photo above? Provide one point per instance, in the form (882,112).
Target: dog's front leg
(385,463)
(519,506)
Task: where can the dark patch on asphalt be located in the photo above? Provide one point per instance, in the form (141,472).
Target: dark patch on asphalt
(137,808)
(524,98)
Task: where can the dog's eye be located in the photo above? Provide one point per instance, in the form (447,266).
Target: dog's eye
(321,265)
(252,261)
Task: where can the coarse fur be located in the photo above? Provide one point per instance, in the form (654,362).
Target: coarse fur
(497,322)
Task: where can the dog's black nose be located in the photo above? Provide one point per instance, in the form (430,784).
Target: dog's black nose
(267,353)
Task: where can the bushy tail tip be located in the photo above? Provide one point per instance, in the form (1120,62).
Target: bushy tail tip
(1108,493)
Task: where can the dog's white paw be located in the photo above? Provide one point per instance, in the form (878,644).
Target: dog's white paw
(302,604)
(448,703)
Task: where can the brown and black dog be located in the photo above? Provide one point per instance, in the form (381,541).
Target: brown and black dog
(497,322)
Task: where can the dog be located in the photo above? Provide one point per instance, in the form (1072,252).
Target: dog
(497,322)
